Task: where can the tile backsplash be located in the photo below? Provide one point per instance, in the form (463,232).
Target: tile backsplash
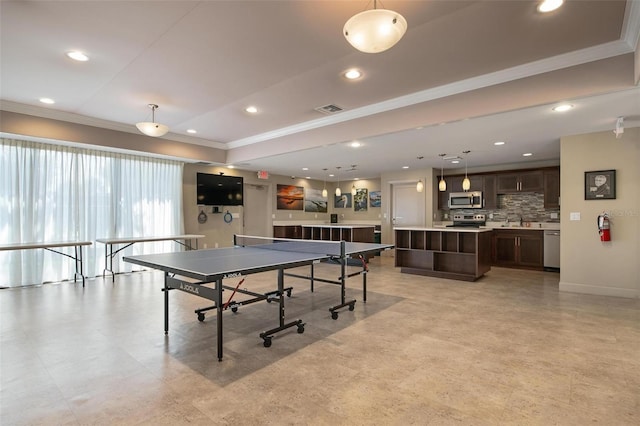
(526,205)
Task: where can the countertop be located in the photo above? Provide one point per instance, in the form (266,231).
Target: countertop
(444,228)
(533,226)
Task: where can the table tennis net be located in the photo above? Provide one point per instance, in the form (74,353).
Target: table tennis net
(334,248)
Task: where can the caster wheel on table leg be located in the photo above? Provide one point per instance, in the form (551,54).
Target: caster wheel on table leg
(334,315)
(300,328)
(267,342)
(200,316)
(352,307)
(234,309)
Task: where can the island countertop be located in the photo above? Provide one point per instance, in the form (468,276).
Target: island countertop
(443,229)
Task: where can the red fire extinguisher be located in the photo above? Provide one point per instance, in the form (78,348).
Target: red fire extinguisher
(604,228)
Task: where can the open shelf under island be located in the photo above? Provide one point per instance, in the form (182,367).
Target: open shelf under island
(455,253)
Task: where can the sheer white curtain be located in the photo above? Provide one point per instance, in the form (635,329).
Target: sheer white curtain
(59,193)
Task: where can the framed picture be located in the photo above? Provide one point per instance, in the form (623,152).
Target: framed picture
(290,197)
(342,201)
(600,185)
(314,201)
(375,198)
(360,200)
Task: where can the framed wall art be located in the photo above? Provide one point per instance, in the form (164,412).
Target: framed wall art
(360,200)
(290,197)
(600,185)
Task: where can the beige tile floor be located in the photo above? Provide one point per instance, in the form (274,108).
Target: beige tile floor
(508,349)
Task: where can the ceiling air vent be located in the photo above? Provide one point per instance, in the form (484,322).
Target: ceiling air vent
(329,109)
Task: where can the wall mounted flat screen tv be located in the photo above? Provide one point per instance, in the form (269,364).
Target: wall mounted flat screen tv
(219,190)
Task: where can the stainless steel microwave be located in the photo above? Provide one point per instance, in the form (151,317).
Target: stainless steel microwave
(466,200)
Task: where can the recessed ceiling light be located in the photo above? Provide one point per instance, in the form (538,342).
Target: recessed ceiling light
(527,154)
(498,143)
(305,168)
(455,161)
(331,175)
(405,167)
(352,74)
(307,177)
(549,5)
(191,131)
(251,109)
(562,108)
(78,56)
(47,101)
(355,144)
(231,166)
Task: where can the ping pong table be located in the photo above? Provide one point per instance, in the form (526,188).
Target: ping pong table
(192,271)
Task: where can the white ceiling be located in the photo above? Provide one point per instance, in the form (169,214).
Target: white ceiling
(466,74)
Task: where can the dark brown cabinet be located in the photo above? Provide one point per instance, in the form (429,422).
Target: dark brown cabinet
(454,184)
(552,188)
(489,192)
(458,255)
(532,181)
(287,231)
(518,248)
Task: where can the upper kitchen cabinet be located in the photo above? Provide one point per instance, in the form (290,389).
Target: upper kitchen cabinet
(454,184)
(531,181)
(489,192)
(552,188)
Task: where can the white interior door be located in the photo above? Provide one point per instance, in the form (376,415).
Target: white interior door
(407,205)
(257,208)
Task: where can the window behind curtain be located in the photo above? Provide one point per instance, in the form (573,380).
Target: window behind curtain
(59,193)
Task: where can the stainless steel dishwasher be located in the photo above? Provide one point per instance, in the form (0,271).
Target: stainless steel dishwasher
(552,249)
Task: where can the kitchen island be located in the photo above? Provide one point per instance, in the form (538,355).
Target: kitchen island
(454,253)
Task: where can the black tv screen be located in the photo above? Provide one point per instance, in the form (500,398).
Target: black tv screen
(219,190)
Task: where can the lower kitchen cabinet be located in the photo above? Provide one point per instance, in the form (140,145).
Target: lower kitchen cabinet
(518,248)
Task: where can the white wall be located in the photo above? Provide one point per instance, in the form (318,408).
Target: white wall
(588,265)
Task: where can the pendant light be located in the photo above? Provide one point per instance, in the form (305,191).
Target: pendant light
(151,128)
(375,30)
(325,194)
(466,183)
(354,191)
(338,191)
(420,186)
(442,185)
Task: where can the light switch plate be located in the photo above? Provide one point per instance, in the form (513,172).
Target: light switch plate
(574,216)
(554,215)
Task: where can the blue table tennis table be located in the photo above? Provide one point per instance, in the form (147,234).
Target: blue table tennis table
(202,272)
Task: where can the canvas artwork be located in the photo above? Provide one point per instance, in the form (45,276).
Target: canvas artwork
(314,201)
(360,199)
(375,199)
(342,201)
(290,197)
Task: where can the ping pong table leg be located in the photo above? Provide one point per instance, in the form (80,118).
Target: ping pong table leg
(166,304)
(219,308)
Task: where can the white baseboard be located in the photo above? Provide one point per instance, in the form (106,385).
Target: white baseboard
(629,293)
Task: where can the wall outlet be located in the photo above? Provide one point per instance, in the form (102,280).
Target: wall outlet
(554,215)
(215,245)
(205,245)
(316,215)
(273,216)
(290,215)
(490,215)
(574,216)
